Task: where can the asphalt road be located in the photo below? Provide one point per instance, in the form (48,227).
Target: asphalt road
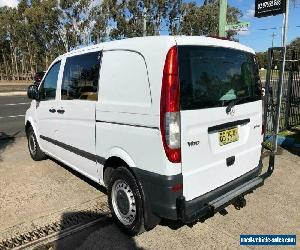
(12,113)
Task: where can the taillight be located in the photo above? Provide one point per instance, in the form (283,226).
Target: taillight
(169,108)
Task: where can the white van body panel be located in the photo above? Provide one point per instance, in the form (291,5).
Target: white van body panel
(139,147)
(76,128)
(31,119)
(44,121)
(132,86)
(153,50)
(204,166)
(125,121)
(129,120)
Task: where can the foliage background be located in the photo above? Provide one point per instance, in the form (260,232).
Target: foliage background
(37,31)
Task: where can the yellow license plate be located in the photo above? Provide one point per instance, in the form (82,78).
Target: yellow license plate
(228,136)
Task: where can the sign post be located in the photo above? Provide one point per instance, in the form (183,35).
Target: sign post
(265,8)
(281,79)
(222,17)
(243,26)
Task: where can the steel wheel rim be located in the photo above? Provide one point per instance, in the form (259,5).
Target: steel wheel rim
(123,202)
(32,144)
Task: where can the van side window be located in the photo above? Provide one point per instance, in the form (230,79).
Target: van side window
(49,84)
(124,79)
(80,79)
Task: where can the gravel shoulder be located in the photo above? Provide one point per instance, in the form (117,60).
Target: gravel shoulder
(33,194)
(6,87)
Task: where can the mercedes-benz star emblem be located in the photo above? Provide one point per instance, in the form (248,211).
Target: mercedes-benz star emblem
(232,111)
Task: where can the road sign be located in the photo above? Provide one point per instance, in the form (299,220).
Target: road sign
(265,8)
(238,26)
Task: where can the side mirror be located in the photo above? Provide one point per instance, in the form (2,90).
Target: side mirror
(33,92)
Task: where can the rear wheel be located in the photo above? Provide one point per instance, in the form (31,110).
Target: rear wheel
(34,149)
(125,201)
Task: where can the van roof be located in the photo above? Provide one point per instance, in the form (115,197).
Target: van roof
(211,41)
(154,41)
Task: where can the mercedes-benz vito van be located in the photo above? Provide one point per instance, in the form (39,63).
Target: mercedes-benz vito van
(171,126)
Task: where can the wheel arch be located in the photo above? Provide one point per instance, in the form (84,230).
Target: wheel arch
(115,161)
(117,157)
(30,123)
(27,126)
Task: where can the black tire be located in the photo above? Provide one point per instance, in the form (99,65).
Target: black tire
(34,149)
(121,177)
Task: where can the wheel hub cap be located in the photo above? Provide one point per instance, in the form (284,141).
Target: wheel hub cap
(32,144)
(123,202)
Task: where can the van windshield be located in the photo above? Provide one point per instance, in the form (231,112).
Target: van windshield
(214,76)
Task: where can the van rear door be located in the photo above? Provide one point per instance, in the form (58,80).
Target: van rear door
(221,116)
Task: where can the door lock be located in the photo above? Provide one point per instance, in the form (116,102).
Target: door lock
(230,161)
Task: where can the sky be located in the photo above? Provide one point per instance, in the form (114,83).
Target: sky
(261,40)
(255,37)
(10,3)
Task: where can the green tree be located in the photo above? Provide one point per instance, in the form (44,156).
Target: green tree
(30,37)
(262,59)
(41,20)
(294,45)
(100,17)
(126,18)
(37,31)
(203,20)
(74,22)
(5,48)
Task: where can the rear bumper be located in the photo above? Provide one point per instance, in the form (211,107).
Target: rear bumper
(214,201)
(162,202)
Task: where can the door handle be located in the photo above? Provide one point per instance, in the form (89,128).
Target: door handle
(60,111)
(52,110)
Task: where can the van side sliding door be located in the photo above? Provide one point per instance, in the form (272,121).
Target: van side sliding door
(76,111)
(126,125)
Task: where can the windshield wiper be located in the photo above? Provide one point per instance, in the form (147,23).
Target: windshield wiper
(234,102)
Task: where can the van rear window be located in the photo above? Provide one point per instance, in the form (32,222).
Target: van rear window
(213,76)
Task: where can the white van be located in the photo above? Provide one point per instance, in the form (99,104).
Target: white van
(172,126)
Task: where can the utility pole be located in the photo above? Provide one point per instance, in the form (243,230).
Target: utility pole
(222,17)
(282,30)
(273,36)
(145,21)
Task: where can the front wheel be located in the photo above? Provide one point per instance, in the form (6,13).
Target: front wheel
(125,201)
(34,149)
